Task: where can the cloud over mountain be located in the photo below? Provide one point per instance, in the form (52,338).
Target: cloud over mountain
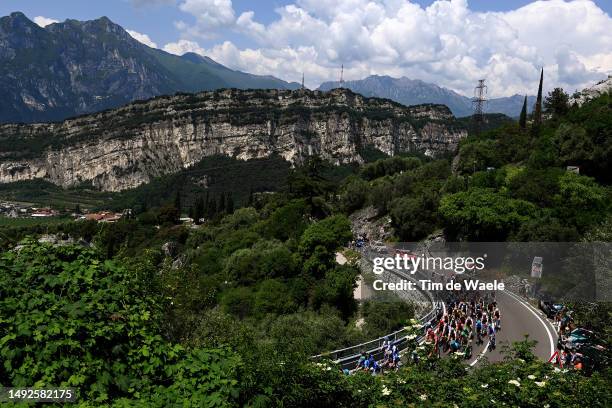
(446,43)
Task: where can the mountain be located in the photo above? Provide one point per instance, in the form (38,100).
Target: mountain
(413,91)
(77,67)
(600,88)
(126,147)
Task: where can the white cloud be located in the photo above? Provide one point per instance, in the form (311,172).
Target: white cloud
(182,46)
(143,38)
(44,21)
(445,43)
(209,14)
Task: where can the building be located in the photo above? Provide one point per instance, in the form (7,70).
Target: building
(104,216)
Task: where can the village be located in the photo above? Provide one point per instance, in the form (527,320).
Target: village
(20,210)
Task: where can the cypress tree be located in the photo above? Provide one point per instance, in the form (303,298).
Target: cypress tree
(198,213)
(177,201)
(523,117)
(250,202)
(229,203)
(537,112)
(221,206)
(212,208)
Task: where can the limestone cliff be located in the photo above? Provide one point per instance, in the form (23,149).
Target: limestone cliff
(125,147)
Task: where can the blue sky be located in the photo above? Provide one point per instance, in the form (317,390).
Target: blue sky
(156,17)
(447,42)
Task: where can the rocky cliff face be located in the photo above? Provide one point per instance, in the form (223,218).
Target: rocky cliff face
(123,148)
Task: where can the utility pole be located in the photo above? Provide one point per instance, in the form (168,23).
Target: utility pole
(479,100)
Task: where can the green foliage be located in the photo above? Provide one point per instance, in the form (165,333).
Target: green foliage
(484,215)
(523,116)
(354,194)
(71,319)
(320,241)
(556,103)
(385,316)
(478,156)
(415,216)
(388,167)
(580,200)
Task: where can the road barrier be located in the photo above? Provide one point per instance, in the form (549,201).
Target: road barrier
(348,357)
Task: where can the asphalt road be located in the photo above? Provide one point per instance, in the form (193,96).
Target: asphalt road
(518,319)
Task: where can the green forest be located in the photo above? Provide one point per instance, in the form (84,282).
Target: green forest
(154,313)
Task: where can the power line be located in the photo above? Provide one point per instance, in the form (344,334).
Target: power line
(479,101)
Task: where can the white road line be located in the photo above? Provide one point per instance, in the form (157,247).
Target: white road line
(531,309)
(482,353)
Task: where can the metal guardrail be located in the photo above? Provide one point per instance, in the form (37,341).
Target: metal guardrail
(347,357)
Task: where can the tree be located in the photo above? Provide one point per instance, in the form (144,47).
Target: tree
(177,201)
(415,216)
(211,208)
(319,242)
(354,195)
(251,200)
(523,117)
(556,103)
(105,336)
(230,203)
(481,214)
(168,215)
(198,211)
(537,112)
(221,206)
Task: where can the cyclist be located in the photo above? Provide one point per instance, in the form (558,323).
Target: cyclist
(497,320)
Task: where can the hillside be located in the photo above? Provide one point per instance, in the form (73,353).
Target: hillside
(75,67)
(410,92)
(123,148)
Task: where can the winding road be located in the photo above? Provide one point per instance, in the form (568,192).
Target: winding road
(518,319)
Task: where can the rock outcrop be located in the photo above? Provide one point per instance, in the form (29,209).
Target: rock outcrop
(125,147)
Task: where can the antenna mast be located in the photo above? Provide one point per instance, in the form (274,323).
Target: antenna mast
(342,76)
(479,101)
(302,80)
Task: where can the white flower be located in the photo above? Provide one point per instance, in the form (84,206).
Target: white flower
(484,385)
(328,368)
(423,397)
(557,370)
(518,384)
(411,337)
(401,381)
(546,405)
(386,391)
(531,377)
(540,383)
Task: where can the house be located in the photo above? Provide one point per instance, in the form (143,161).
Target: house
(103,216)
(44,212)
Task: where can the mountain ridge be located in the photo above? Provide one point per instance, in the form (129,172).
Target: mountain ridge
(74,67)
(415,91)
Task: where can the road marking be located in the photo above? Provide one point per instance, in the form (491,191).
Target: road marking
(482,353)
(531,309)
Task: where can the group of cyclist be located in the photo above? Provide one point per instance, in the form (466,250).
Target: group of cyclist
(391,359)
(472,317)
